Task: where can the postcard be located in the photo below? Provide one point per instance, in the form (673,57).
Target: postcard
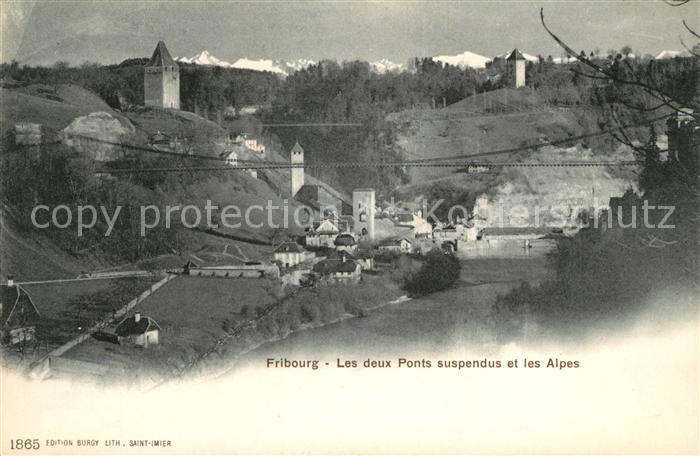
(349,227)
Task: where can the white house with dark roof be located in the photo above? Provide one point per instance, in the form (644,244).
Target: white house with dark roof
(339,269)
(138,330)
(231,157)
(402,245)
(18,314)
(322,234)
(290,254)
(345,242)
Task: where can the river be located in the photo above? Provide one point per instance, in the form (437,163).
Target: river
(445,321)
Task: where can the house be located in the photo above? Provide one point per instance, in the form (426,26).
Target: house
(18,314)
(345,242)
(249,110)
(421,227)
(252,144)
(477,169)
(290,254)
(231,157)
(229,112)
(322,234)
(449,232)
(402,245)
(365,258)
(27,134)
(138,330)
(339,269)
(159,139)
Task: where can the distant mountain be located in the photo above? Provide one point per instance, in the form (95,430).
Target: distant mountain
(564,59)
(464,60)
(386,66)
(668,54)
(280,67)
(204,58)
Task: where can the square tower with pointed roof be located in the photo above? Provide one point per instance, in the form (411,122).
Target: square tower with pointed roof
(296,157)
(161,80)
(515,69)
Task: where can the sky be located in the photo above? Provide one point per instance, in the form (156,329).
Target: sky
(41,32)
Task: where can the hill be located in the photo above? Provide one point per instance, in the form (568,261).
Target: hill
(53,106)
(505,119)
(65,176)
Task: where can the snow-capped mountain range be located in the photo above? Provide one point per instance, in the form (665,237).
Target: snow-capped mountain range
(466,59)
(669,54)
(281,67)
(386,66)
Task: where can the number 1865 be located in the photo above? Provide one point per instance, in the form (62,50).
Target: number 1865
(24,444)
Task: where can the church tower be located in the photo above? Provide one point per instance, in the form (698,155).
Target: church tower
(161,80)
(515,69)
(363,208)
(296,156)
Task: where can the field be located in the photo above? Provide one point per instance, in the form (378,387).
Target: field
(193,314)
(68,308)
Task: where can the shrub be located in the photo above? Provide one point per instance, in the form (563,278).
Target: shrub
(439,272)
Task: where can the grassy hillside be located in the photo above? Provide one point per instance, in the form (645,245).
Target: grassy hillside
(29,256)
(63,175)
(53,106)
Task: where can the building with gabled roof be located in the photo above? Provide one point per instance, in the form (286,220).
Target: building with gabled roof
(161,80)
(339,269)
(290,254)
(138,330)
(18,315)
(322,234)
(345,241)
(401,245)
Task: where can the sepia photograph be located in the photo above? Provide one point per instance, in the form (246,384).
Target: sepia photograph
(349,227)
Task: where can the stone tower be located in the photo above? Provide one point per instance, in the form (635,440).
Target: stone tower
(363,207)
(515,69)
(161,80)
(296,155)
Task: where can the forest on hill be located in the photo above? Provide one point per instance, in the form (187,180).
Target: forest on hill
(350,92)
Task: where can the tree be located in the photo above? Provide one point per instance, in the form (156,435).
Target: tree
(439,272)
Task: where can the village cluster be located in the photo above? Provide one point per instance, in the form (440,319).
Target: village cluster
(353,235)
(350,235)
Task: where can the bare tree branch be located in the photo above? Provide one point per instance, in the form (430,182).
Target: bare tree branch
(688,49)
(656,92)
(676,2)
(693,32)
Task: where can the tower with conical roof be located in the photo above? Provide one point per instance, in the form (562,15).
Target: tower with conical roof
(161,80)
(515,69)
(296,156)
